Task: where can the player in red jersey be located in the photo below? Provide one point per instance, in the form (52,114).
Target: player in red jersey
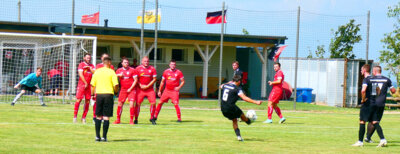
(276,94)
(128,79)
(85,70)
(97,67)
(171,77)
(147,76)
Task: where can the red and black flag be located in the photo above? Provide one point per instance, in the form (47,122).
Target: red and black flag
(276,52)
(215,17)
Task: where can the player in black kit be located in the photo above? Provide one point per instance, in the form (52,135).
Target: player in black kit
(230,94)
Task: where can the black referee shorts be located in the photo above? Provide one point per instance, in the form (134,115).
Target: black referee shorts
(377,112)
(104,105)
(231,112)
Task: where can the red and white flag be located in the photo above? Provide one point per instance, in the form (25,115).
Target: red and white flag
(278,52)
(91,18)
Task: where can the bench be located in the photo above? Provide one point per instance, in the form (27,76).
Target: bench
(396,99)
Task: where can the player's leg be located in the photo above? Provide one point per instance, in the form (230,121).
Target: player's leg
(370,132)
(164,99)
(140,98)
(151,96)
(80,93)
(132,104)
(376,120)
(279,113)
(269,112)
(361,133)
(175,101)
(236,129)
(108,112)
(99,115)
(245,119)
(121,100)
(86,105)
(40,93)
(18,96)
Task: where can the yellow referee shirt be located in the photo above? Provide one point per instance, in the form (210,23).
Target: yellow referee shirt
(104,80)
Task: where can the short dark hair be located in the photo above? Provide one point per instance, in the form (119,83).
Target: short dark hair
(237,78)
(107,59)
(379,68)
(235,62)
(87,54)
(277,63)
(105,54)
(172,61)
(39,68)
(125,59)
(367,67)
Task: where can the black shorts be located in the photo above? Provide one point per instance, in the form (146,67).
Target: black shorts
(25,87)
(365,113)
(231,112)
(105,105)
(377,112)
(55,82)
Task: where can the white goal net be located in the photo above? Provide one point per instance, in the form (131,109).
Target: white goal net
(58,56)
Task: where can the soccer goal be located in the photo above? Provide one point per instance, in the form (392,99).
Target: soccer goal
(58,56)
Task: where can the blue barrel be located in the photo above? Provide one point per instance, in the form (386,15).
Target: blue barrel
(304,95)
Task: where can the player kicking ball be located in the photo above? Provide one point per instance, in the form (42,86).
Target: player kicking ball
(276,94)
(128,79)
(230,94)
(171,77)
(29,83)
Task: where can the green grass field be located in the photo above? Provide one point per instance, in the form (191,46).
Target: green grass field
(30,128)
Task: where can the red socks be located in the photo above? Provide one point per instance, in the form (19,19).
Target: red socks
(270,110)
(278,112)
(137,109)
(119,112)
(85,109)
(159,106)
(152,111)
(132,112)
(178,111)
(76,108)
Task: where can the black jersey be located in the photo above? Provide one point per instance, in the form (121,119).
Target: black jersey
(230,94)
(380,87)
(367,82)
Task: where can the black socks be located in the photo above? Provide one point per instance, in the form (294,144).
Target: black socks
(106,124)
(97,127)
(361,132)
(237,132)
(379,130)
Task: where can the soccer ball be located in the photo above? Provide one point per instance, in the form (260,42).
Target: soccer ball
(251,114)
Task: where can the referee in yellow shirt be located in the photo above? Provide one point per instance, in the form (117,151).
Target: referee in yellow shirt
(104,84)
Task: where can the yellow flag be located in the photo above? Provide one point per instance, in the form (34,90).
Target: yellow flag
(149,17)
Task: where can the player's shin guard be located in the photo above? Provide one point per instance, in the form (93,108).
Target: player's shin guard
(270,110)
(361,132)
(76,108)
(178,111)
(278,112)
(152,111)
(237,132)
(18,96)
(379,131)
(97,127)
(85,109)
(94,110)
(132,112)
(158,109)
(106,124)
(119,112)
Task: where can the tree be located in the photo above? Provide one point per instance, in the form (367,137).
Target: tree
(319,53)
(391,53)
(345,37)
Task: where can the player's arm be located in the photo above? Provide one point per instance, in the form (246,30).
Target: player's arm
(40,83)
(151,83)
(181,84)
(80,72)
(247,99)
(275,82)
(135,80)
(364,93)
(161,87)
(23,80)
(393,90)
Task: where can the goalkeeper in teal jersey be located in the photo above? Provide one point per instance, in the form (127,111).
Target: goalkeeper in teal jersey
(29,83)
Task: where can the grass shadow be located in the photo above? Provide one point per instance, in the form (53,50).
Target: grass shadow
(129,140)
(254,139)
(189,121)
(393,141)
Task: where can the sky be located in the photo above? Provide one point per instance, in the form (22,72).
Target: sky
(258,17)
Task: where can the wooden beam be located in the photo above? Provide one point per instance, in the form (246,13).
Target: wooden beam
(149,50)
(213,51)
(135,46)
(200,52)
(259,55)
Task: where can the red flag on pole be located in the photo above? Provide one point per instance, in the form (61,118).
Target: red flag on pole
(91,18)
(278,52)
(215,17)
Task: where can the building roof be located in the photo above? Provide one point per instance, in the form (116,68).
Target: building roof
(128,34)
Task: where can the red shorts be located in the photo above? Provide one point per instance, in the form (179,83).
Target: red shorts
(123,95)
(82,91)
(170,94)
(275,96)
(149,93)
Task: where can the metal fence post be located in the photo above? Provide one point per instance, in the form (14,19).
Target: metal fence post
(297,58)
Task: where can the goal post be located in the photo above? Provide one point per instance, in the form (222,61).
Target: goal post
(58,56)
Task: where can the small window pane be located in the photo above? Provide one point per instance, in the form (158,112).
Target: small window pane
(151,55)
(101,50)
(197,57)
(127,52)
(178,54)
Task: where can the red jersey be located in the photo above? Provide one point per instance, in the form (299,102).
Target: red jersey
(53,72)
(62,65)
(127,77)
(87,74)
(146,74)
(172,78)
(102,65)
(278,75)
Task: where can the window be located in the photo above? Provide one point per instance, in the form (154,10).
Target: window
(127,52)
(101,50)
(197,57)
(151,55)
(178,54)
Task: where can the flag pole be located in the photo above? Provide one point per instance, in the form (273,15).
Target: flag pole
(142,32)
(156,37)
(99,17)
(73,14)
(221,50)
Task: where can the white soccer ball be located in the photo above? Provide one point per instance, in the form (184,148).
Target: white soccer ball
(251,114)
